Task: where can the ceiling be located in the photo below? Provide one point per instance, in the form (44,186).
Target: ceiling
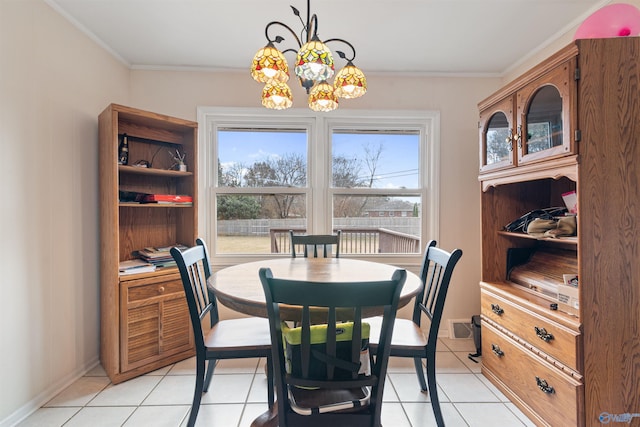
(431,37)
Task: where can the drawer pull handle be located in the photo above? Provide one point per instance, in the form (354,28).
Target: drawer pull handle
(544,386)
(161,289)
(496,309)
(543,334)
(496,350)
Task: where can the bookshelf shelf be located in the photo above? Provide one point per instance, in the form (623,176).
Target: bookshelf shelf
(154,205)
(560,241)
(153,171)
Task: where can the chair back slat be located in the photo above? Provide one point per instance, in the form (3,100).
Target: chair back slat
(432,284)
(199,283)
(322,242)
(305,342)
(357,339)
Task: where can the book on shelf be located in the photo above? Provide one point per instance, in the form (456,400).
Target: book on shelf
(135,266)
(131,196)
(159,256)
(170,203)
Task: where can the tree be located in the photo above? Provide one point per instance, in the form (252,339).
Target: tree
(348,173)
(289,170)
(261,174)
(372,158)
(238,207)
(232,175)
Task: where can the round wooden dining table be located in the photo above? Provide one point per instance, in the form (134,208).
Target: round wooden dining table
(238,287)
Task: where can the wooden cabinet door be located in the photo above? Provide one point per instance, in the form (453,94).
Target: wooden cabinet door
(496,126)
(546,115)
(154,320)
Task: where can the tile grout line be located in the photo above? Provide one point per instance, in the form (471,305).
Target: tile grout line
(246,400)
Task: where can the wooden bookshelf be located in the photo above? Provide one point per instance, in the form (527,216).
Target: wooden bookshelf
(144,317)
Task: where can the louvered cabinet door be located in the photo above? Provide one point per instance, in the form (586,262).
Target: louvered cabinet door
(155,321)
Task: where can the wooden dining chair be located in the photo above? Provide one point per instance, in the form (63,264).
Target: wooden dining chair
(225,339)
(315,242)
(408,338)
(324,373)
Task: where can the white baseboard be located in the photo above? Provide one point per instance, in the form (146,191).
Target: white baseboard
(46,395)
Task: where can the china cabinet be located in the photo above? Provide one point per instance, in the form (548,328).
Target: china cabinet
(144,317)
(565,367)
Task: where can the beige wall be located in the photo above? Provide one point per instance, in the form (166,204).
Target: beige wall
(54,82)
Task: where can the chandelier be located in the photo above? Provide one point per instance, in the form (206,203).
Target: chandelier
(313,67)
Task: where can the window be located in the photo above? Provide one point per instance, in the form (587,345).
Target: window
(381,161)
(369,174)
(258,169)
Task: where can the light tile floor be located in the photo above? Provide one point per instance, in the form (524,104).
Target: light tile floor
(237,395)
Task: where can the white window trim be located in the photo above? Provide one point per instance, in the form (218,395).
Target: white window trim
(319,174)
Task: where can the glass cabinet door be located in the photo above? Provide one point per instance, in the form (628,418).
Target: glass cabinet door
(496,136)
(544,127)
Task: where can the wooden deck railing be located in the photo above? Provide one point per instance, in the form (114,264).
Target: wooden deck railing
(355,241)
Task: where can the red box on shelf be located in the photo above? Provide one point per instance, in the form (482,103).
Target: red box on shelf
(171,198)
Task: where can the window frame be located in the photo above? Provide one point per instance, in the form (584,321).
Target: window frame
(319,193)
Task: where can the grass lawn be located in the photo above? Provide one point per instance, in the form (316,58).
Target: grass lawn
(244,244)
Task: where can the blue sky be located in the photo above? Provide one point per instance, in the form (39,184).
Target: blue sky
(397,167)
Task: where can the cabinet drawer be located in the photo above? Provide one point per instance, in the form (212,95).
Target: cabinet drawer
(558,341)
(140,290)
(553,395)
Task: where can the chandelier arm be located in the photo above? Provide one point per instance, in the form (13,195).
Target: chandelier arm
(305,24)
(278,39)
(312,23)
(342,55)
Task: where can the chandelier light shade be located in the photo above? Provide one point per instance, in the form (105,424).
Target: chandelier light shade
(276,96)
(269,64)
(323,98)
(314,61)
(314,66)
(350,82)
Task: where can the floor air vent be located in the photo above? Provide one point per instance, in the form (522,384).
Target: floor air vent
(460,329)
